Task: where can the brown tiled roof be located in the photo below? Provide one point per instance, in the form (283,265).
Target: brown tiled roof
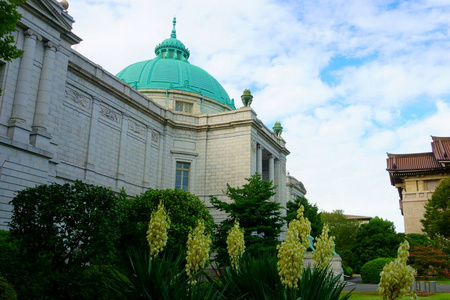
(441,148)
(411,162)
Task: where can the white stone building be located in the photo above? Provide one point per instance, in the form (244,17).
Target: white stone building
(63,117)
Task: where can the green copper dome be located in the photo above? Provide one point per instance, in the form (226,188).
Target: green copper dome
(171,70)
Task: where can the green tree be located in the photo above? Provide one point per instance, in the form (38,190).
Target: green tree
(61,230)
(259,216)
(344,230)
(437,211)
(311,212)
(9,18)
(373,240)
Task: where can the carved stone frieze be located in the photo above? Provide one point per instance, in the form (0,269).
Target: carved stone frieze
(110,114)
(155,137)
(78,98)
(136,128)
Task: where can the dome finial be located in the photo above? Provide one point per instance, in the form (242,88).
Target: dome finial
(174,32)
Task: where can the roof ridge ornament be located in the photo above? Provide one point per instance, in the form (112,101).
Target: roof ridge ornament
(174,32)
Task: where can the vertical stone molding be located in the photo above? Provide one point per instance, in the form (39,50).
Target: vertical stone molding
(18,127)
(40,137)
(147,160)
(122,149)
(93,132)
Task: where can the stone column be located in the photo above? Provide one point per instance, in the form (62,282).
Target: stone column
(272,170)
(259,159)
(18,129)
(40,137)
(276,180)
(271,167)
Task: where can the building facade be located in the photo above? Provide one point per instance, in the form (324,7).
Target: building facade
(63,118)
(416,176)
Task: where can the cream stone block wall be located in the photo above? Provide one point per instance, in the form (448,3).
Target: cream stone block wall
(417,191)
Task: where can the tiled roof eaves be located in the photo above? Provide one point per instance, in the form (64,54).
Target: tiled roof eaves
(441,148)
(411,162)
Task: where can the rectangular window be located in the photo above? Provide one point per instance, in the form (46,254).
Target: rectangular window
(184,107)
(182,176)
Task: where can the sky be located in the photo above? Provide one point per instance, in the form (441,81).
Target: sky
(349,80)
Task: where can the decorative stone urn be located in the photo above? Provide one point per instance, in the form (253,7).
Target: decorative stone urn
(247,98)
(277,129)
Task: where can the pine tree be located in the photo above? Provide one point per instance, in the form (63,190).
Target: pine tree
(258,215)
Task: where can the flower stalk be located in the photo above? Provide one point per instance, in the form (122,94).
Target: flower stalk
(198,248)
(235,244)
(324,248)
(158,228)
(291,252)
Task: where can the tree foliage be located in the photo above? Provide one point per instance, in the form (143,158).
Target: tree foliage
(60,230)
(183,208)
(416,239)
(9,18)
(311,212)
(258,215)
(373,240)
(437,211)
(344,231)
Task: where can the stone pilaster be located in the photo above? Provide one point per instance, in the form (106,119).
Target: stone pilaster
(122,150)
(18,125)
(40,136)
(93,131)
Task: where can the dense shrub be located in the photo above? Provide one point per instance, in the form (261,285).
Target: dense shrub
(370,272)
(9,264)
(60,230)
(184,211)
(7,291)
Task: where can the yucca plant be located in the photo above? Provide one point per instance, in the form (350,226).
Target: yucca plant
(320,284)
(256,278)
(158,278)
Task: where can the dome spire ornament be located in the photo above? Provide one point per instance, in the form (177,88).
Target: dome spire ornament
(247,98)
(172,48)
(277,129)
(174,32)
